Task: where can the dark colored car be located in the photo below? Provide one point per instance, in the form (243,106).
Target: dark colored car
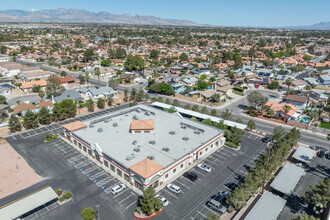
(328,155)
(321,154)
(231,185)
(265,139)
(190,175)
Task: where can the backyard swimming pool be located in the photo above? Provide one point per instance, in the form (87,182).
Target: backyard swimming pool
(304,119)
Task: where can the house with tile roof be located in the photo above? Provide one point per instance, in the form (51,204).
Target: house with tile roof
(27,86)
(280,110)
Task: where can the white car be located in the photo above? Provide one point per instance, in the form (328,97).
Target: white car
(118,188)
(174,188)
(204,167)
(165,202)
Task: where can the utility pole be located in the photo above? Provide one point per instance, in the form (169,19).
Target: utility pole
(98,212)
(266,167)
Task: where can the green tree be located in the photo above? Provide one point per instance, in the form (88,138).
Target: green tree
(187,106)
(208,122)
(168,101)
(78,44)
(172,109)
(105,62)
(140,95)
(239,121)
(234,135)
(110,101)
(30,120)
(88,54)
(226,115)
(3,100)
(41,94)
(205,110)
(134,63)
(304,217)
(286,109)
(36,88)
(307,58)
(98,74)
(125,95)
(132,95)
(63,73)
(90,105)
(195,108)
(113,83)
(167,89)
(278,134)
(88,213)
(314,115)
(87,77)
(176,103)
(214,113)
(81,78)
(288,82)
(44,116)
(100,103)
(215,97)
(194,119)
(14,124)
(213,216)
(270,113)
(274,85)
(257,100)
(3,49)
(154,54)
(149,202)
(318,195)
(184,57)
(54,87)
(251,125)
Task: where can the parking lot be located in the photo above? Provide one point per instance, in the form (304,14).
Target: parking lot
(63,166)
(56,126)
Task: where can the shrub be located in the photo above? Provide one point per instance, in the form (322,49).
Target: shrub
(88,213)
(238,89)
(58,191)
(67,195)
(230,209)
(232,145)
(61,199)
(50,137)
(238,93)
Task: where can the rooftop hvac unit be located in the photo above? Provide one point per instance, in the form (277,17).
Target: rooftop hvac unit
(91,125)
(100,129)
(139,145)
(130,157)
(166,149)
(138,110)
(153,113)
(136,149)
(135,117)
(106,120)
(147,113)
(115,124)
(172,132)
(151,157)
(197,132)
(126,114)
(185,138)
(183,126)
(134,142)
(152,142)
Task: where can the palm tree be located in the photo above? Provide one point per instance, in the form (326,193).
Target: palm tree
(97,73)
(288,82)
(87,77)
(286,109)
(226,115)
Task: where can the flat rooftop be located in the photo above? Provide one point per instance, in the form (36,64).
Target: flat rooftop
(304,154)
(172,138)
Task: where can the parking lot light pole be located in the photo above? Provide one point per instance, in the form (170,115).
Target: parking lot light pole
(267,161)
(98,212)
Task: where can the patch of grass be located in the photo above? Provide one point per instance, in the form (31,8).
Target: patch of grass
(50,137)
(230,144)
(325,125)
(238,93)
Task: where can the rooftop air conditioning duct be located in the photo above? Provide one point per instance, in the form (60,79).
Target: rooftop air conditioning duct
(100,129)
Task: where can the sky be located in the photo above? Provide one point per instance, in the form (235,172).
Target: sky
(257,13)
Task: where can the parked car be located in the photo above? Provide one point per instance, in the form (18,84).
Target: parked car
(223,193)
(312,147)
(299,165)
(328,155)
(204,167)
(216,206)
(321,154)
(190,175)
(265,139)
(174,188)
(221,199)
(162,198)
(231,185)
(118,188)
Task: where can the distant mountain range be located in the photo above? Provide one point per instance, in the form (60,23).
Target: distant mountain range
(72,15)
(318,26)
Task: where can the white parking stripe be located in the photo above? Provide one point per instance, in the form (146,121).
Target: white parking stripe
(120,193)
(208,161)
(256,138)
(210,209)
(199,172)
(202,215)
(132,194)
(182,184)
(130,205)
(219,156)
(170,193)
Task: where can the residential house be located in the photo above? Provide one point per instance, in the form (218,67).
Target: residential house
(27,86)
(207,94)
(279,110)
(324,79)
(200,71)
(190,81)
(223,87)
(5,59)
(67,80)
(47,104)
(68,94)
(311,80)
(10,69)
(178,87)
(265,74)
(5,89)
(35,75)
(99,92)
(21,109)
(298,100)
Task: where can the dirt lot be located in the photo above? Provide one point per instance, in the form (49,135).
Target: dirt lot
(15,173)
